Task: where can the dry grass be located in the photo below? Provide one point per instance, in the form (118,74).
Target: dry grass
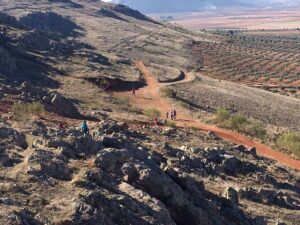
(251,127)
(152,113)
(290,141)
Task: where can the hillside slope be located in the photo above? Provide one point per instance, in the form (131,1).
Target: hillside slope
(60,62)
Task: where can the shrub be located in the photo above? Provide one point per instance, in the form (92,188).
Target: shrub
(237,122)
(183,105)
(255,129)
(290,141)
(170,124)
(152,113)
(122,101)
(241,124)
(23,109)
(222,115)
(103,83)
(168,92)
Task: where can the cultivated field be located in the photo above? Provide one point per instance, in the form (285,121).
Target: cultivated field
(267,60)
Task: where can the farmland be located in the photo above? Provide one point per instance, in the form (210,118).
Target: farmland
(237,18)
(268,60)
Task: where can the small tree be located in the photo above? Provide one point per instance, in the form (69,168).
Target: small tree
(152,113)
(25,109)
(168,92)
(222,115)
(290,141)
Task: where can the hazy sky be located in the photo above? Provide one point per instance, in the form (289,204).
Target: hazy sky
(275,1)
(165,6)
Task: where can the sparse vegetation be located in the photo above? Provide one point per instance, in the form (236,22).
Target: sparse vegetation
(251,127)
(123,102)
(25,109)
(170,124)
(183,104)
(222,115)
(290,141)
(152,113)
(168,92)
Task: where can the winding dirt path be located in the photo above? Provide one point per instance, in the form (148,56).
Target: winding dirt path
(149,97)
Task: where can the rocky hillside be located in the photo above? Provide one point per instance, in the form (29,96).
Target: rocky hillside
(91,38)
(59,62)
(133,175)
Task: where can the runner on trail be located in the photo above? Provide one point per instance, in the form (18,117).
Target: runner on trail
(167,115)
(133,91)
(174,114)
(84,128)
(61,128)
(106,89)
(156,121)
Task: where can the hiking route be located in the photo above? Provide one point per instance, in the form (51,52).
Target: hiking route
(149,97)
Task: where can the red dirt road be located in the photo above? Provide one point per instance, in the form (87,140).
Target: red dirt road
(149,97)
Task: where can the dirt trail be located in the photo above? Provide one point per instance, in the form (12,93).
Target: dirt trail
(149,97)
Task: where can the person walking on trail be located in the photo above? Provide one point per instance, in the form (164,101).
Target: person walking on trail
(133,92)
(107,87)
(61,128)
(174,114)
(156,121)
(84,128)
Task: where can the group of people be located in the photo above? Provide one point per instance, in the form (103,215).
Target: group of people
(172,115)
(84,128)
(169,115)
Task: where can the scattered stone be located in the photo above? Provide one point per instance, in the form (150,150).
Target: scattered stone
(232,195)
(252,151)
(50,164)
(241,148)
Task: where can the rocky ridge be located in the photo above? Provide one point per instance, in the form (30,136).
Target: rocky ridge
(124,176)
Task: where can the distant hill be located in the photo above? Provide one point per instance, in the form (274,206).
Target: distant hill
(171,6)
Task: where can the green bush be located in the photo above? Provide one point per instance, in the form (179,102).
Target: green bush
(222,115)
(290,141)
(237,122)
(183,104)
(152,113)
(240,123)
(255,129)
(123,102)
(171,124)
(23,109)
(168,92)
